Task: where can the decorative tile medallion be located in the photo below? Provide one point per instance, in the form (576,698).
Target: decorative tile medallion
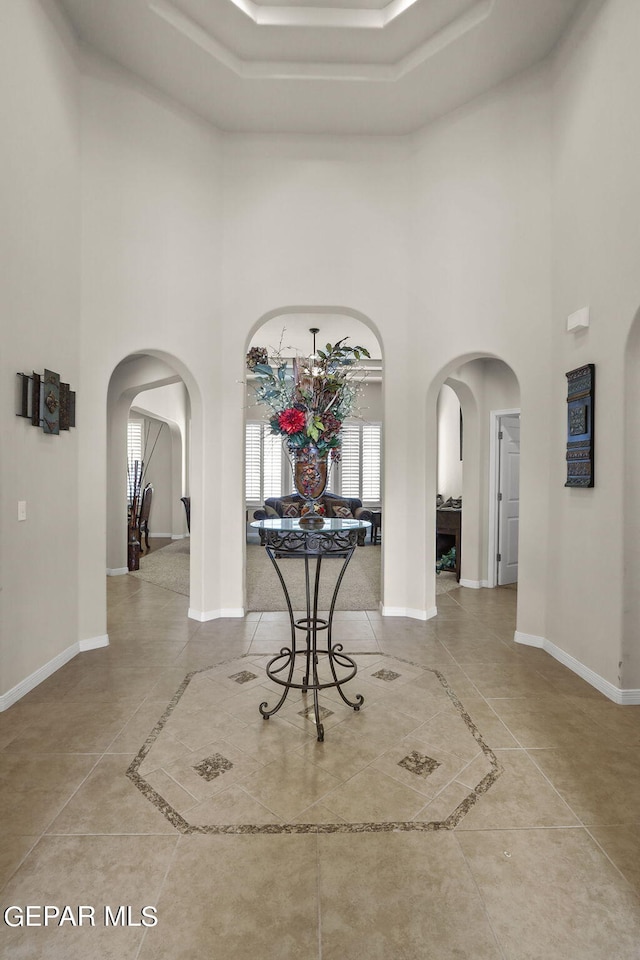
(386,675)
(417,763)
(244,676)
(216,764)
(310,714)
(211,767)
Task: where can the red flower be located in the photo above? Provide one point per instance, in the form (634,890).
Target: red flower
(291,420)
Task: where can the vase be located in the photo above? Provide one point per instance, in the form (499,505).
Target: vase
(310,473)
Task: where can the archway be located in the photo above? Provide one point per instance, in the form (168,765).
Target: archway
(484,386)
(160,387)
(287,333)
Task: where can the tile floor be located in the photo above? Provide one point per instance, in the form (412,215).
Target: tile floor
(483,803)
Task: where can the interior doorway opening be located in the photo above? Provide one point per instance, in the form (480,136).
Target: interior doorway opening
(504,498)
(354,479)
(148,457)
(472,395)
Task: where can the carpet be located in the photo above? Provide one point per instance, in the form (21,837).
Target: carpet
(360,588)
(167,567)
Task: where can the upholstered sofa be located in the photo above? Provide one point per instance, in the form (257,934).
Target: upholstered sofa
(290,505)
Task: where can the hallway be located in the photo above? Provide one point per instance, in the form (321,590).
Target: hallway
(509,828)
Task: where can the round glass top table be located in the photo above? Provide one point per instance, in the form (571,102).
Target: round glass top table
(321,666)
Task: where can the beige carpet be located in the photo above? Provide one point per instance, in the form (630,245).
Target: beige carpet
(360,589)
(167,567)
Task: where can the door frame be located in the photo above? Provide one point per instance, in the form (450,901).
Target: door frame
(492,537)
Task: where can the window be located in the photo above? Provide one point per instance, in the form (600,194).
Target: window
(360,461)
(264,462)
(134,454)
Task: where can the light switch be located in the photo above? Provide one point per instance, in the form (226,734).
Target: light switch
(22,509)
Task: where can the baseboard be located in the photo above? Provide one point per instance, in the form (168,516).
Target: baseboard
(203,615)
(117,571)
(44,672)
(529,639)
(471,584)
(409,612)
(616,694)
(160,536)
(179,536)
(93,643)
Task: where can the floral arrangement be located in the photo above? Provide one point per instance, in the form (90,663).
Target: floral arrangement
(309,404)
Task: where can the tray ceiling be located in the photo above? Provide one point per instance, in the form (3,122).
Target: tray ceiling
(322,66)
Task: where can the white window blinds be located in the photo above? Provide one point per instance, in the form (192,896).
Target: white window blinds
(263,457)
(134,453)
(360,461)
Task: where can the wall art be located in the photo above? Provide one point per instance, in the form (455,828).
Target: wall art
(580,423)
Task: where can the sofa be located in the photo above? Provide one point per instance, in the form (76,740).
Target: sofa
(333,504)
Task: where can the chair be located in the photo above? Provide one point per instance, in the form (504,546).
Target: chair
(187,509)
(143,516)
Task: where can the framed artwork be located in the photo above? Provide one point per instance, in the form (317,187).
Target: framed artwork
(580,425)
(46,402)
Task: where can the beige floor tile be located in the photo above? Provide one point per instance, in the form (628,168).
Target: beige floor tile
(232,806)
(306,783)
(479,650)
(134,733)
(342,756)
(416,702)
(495,680)
(109,803)
(73,728)
(493,730)
(111,683)
(13,851)
(541,723)
(34,788)
(600,783)
(620,724)
(622,846)
(95,872)
(272,739)
(420,766)
(553,894)
(211,769)
(372,796)
(400,895)
(520,797)
(238,898)
(448,730)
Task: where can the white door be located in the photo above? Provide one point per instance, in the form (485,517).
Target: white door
(508,498)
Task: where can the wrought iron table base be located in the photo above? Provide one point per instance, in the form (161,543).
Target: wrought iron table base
(311,545)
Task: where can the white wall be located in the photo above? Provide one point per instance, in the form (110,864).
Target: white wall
(39,307)
(449,483)
(596,199)
(443,243)
(151,285)
(481,271)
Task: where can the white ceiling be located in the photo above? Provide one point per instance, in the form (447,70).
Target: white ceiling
(322,66)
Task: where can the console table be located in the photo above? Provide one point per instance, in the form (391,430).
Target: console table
(449,523)
(284,538)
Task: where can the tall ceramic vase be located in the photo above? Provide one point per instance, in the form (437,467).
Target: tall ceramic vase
(310,472)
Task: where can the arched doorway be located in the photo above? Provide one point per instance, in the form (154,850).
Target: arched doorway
(156,391)
(358,472)
(471,400)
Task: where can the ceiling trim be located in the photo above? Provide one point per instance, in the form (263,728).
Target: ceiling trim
(291,70)
(343,17)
